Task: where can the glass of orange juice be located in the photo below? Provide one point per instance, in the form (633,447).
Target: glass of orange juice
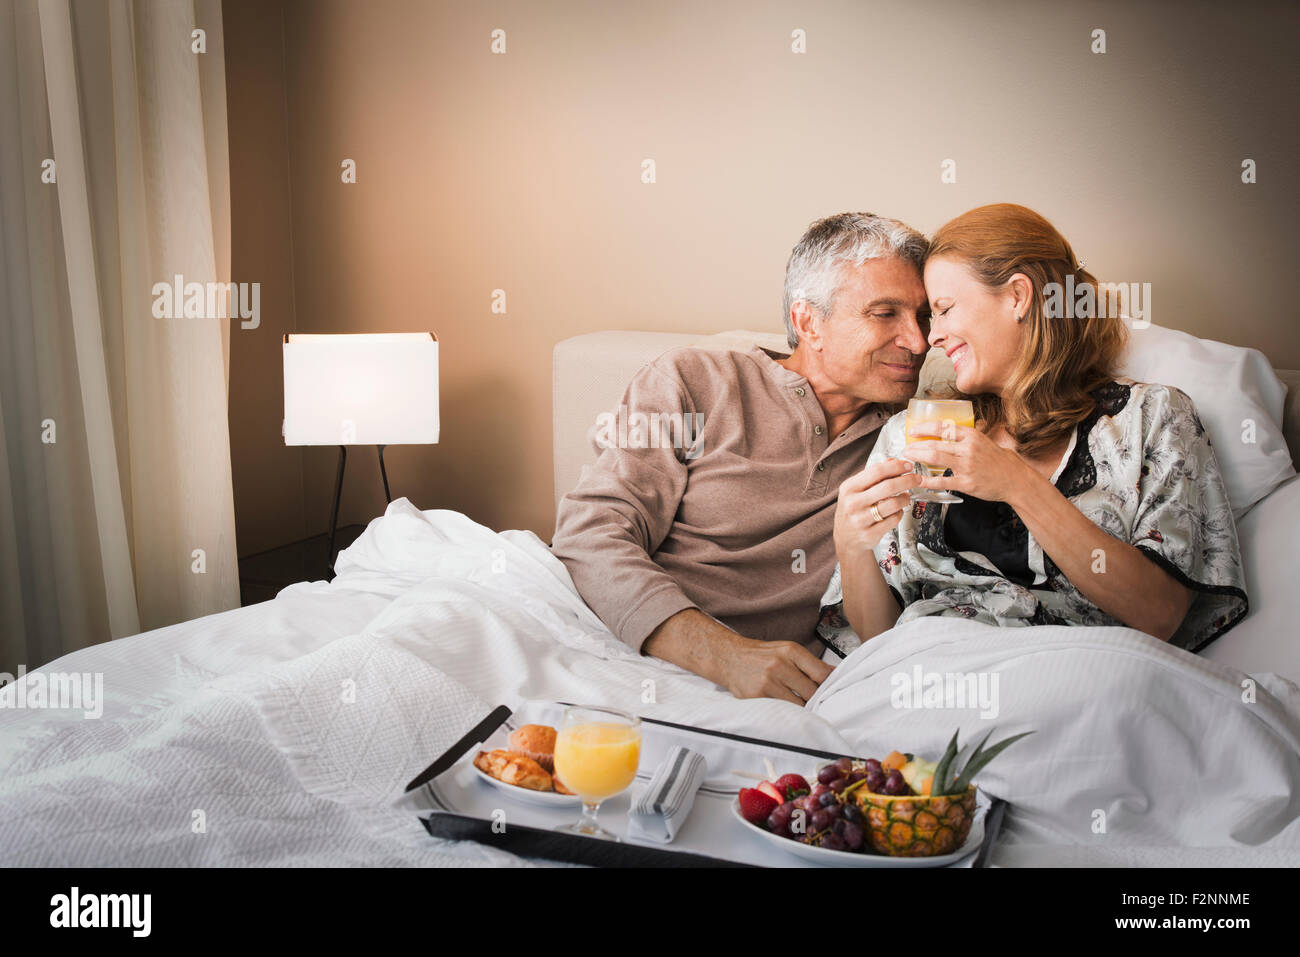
(936,419)
(597,752)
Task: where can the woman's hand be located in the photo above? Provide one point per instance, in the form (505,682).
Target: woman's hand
(883,487)
(979,465)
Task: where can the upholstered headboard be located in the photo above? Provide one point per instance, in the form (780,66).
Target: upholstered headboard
(591,372)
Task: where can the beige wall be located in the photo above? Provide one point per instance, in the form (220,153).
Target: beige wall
(522,172)
(267,475)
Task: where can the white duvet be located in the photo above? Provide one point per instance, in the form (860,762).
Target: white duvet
(281,733)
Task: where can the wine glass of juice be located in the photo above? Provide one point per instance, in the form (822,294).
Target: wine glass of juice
(597,752)
(941,416)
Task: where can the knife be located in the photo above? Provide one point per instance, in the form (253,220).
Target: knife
(475,735)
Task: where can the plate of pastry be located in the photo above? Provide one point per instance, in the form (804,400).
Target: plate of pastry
(525,768)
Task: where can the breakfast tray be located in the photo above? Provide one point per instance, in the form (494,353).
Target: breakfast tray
(454,802)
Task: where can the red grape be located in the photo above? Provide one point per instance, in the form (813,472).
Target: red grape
(832,842)
(853,836)
(778,822)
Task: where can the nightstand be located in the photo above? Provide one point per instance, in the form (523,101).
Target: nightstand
(261,576)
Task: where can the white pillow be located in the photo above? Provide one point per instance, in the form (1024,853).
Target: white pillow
(1231,386)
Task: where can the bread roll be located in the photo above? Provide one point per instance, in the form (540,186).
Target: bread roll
(536,741)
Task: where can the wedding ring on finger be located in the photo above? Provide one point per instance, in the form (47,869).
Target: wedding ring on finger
(875,514)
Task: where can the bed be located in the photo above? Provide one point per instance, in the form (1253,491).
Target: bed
(283,733)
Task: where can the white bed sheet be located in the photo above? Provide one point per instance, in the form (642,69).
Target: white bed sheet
(292,725)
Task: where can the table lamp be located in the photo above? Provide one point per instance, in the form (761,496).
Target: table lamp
(376,389)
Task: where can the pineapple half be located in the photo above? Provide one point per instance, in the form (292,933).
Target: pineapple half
(936,820)
(917,825)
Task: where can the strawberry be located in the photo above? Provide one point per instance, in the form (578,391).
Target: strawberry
(756,805)
(792,786)
(772,791)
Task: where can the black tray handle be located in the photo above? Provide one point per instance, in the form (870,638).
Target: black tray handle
(558,846)
(992,825)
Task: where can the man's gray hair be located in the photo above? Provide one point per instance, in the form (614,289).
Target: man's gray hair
(813,272)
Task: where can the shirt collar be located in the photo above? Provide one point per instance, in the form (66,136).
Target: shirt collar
(872,418)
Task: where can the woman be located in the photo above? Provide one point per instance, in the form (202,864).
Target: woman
(1088,499)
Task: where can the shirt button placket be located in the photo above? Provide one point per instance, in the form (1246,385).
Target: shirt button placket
(814,483)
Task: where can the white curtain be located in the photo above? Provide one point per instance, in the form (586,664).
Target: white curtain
(116,511)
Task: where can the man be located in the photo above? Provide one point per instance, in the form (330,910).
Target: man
(714,557)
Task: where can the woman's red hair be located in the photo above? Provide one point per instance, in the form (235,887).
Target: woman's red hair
(1063,359)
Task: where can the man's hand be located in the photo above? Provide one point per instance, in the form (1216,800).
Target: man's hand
(746,667)
(774,669)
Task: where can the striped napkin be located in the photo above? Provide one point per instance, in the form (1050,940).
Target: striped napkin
(661,809)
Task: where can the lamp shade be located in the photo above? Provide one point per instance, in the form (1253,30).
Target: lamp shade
(361,389)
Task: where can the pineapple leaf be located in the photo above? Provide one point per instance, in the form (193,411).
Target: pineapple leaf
(979,750)
(978,763)
(941,781)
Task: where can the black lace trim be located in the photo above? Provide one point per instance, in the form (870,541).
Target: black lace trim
(830,644)
(929,532)
(1080,472)
(1042,616)
(1222,624)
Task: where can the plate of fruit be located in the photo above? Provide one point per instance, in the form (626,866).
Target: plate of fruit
(899,811)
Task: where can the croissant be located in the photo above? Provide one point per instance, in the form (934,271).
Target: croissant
(511,768)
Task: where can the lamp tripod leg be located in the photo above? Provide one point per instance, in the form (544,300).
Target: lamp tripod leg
(338,494)
(388,496)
